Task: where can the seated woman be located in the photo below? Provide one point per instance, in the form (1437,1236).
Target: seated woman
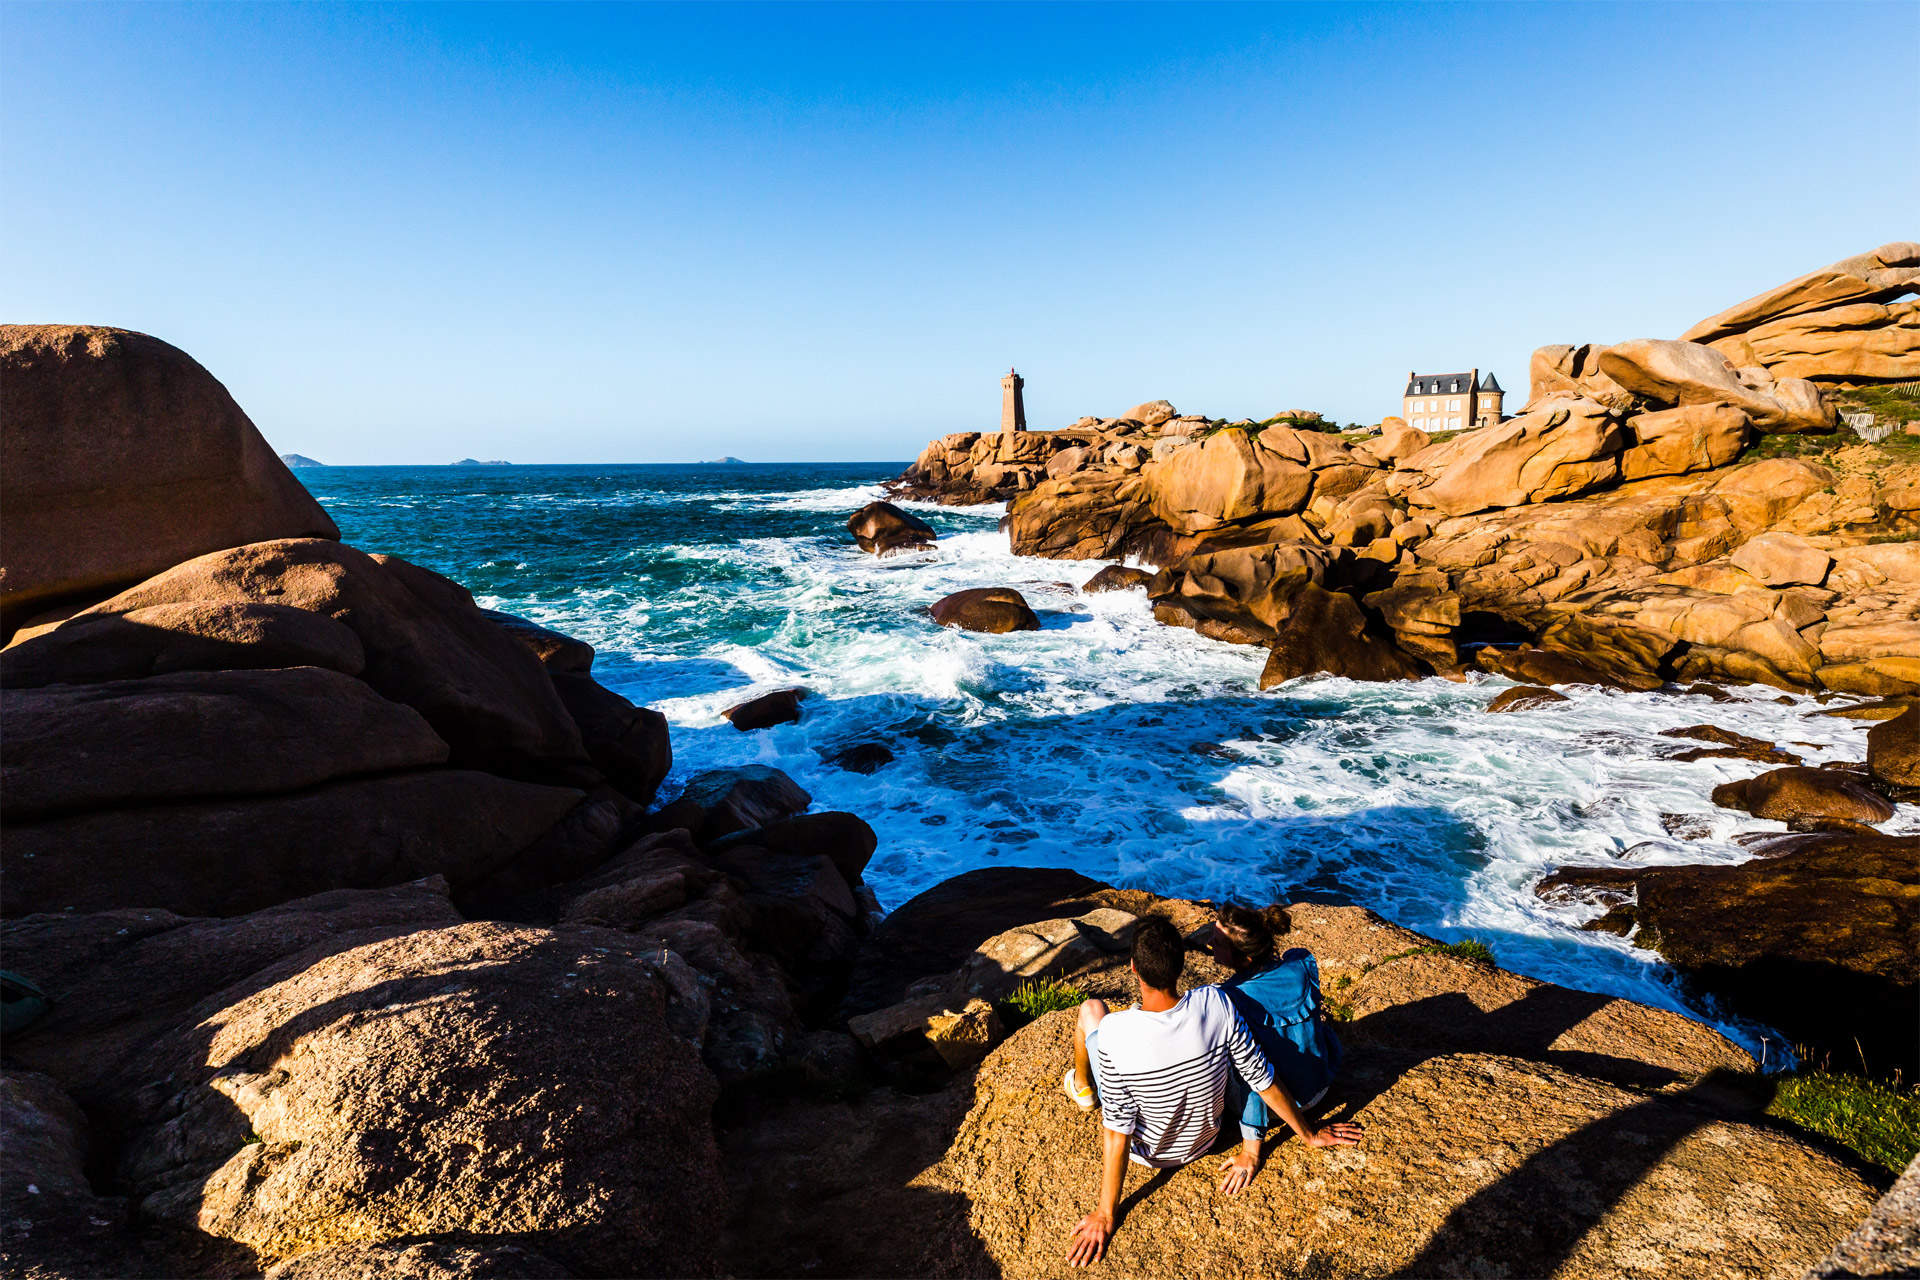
(1278,994)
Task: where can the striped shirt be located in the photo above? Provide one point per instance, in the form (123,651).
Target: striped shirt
(1163,1076)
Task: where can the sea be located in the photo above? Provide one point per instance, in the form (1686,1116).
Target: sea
(1139,754)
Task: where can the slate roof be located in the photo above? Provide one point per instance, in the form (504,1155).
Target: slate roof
(1488,384)
(1440,384)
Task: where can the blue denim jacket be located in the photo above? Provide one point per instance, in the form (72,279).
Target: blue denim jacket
(1280,1001)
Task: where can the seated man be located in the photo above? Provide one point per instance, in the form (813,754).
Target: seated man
(1161,1071)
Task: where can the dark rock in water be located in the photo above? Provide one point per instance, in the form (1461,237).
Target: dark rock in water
(530,1086)
(723,801)
(227,636)
(1714,733)
(199,734)
(427,644)
(1786,794)
(1882,709)
(125,977)
(1557,666)
(1118,577)
(125,456)
(1523,697)
(1817,938)
(555,649)
(227,857)
(1688,826)
(995,610)
(1819,824)
(880,527)
(862,757)
(782,706)
(1734,746)
(629,744)
(932,933)
(1893,749)
(844,838)
(452,1257)
(1327,631)
(1712,692)
(1181,613)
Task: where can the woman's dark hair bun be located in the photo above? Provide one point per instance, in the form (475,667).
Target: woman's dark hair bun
(1251,932)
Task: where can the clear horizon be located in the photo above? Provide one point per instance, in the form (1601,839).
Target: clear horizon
(629,234)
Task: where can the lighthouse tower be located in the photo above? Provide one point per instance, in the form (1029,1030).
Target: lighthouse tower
(1013,410)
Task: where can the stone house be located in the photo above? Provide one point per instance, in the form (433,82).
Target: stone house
(1451,401)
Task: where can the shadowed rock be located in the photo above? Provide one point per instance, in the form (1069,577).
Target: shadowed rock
(166,638)
(226,857)
(1327,631)
(629,744)
(556,650)
(199,734)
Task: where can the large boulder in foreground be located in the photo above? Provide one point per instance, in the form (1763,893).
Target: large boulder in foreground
(1328,632)
(223,857)
(1473,1163)
(1799,793)
(199,733)
(1815,937)
(484,1079)
(124,456)
(627,743)
(426,643)
(880,527)
(1893,749)
(995,610)
(122,979)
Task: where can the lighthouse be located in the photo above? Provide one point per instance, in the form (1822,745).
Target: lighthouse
(1013,410)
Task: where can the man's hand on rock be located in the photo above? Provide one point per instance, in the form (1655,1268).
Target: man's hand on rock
(1090,1239)
(1239,1169)
(1338,1134)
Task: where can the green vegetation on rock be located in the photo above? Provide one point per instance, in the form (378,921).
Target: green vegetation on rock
(1037,999)
(1881,1122)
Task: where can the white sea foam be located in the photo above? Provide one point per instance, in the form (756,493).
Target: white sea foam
(1145,755)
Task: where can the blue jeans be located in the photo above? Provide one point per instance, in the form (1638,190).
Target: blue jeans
(1256,1118)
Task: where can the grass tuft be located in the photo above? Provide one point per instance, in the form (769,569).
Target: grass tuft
(1478,952)
(1037,999)
(1880,1122)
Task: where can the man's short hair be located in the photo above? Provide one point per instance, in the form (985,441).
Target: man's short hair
(1158,953)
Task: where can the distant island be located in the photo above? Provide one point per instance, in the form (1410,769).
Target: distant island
(300,460)
(725,462)
(475,462)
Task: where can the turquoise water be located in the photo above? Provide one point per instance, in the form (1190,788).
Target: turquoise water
(1139,754)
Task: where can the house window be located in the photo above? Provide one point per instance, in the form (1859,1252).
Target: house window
(1454,405)
(1419,423)
(1454,423)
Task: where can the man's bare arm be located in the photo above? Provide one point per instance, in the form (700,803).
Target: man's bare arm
(1334,1135)
(1091,1235)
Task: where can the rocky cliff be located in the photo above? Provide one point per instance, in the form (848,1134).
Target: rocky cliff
(372,952)
(1657,512)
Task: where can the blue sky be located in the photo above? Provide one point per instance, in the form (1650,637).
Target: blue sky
(813,232)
